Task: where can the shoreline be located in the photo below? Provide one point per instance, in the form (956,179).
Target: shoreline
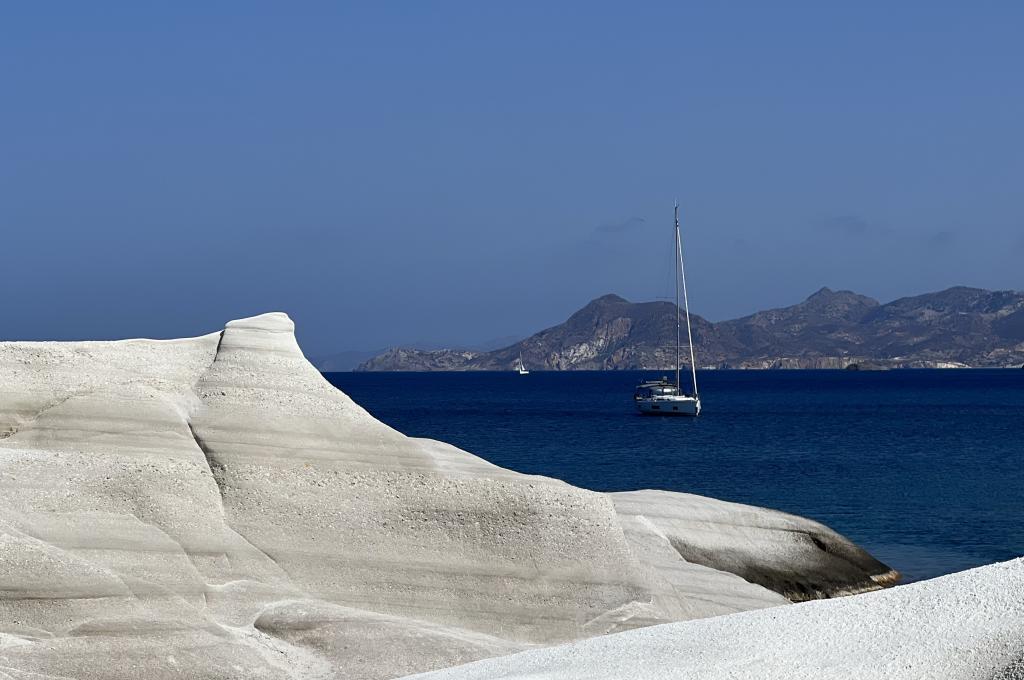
(715,369)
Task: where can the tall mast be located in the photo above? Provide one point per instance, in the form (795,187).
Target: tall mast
(678,250)
(686,303)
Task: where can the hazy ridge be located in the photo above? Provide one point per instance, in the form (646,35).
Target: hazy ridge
(957,327)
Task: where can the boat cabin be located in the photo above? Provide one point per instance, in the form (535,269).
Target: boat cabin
(653,389)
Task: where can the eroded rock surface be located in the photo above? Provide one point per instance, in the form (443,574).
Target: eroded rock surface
(213,508)
(968,626)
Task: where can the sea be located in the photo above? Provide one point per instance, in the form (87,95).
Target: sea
(923,468)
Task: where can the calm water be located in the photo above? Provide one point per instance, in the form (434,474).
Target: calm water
(923,468)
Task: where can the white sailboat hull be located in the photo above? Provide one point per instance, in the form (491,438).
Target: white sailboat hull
(669,406)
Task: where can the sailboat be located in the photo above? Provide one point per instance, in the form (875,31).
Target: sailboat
(664,397)
(521,366)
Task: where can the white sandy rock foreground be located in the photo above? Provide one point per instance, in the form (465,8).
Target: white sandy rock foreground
(213,508)
(966,626)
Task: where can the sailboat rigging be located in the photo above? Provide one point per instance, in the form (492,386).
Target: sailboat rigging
(521,367)
(662,397)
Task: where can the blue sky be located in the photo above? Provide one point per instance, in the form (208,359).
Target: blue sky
(455,172)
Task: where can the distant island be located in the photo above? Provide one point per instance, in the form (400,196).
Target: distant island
(958,327)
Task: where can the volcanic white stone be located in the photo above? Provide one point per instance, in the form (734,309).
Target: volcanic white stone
(968,626)
(214,508)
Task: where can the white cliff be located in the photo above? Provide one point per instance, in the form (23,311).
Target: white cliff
(213,508)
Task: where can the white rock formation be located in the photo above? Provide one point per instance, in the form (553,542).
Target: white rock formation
(213,508)
(965,626)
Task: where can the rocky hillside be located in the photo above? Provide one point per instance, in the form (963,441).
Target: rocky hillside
(830,329)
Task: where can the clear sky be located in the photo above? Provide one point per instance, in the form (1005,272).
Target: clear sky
(454,172)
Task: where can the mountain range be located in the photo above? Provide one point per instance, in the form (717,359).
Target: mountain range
(957,327)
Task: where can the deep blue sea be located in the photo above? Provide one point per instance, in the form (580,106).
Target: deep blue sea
(923,468)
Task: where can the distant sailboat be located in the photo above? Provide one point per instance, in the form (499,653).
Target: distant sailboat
(522,367)
(662,397)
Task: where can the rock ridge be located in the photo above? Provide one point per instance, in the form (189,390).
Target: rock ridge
(957,327)
(213,507)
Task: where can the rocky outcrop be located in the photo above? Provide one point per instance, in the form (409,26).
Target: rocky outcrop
(968,626)
(212,507)
(830,329)
(754,543)
(402,359)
